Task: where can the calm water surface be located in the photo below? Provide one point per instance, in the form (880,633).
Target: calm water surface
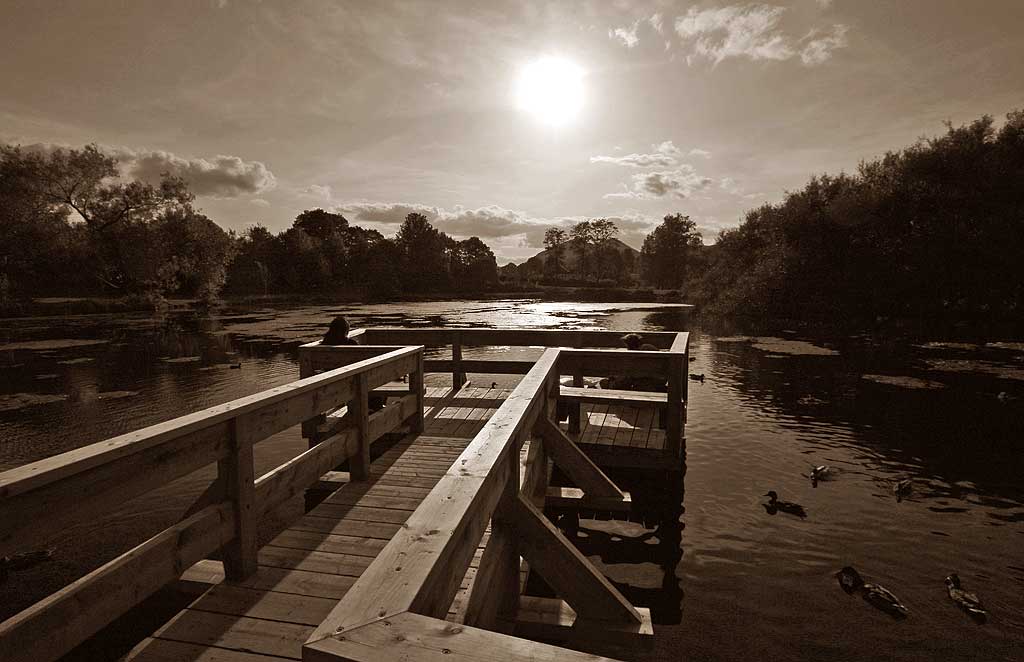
(748,585)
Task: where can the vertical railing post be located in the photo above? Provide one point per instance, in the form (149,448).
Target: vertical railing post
(458,377)
(236,472)
(495,596)
(416,386)
(575,408)
(359,412)
(674,424)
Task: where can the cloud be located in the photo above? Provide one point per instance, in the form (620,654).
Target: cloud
(317,191)
(259,202)
(664,155)
(657,22)
(627,36)
(753,32)
(819,49)
(221,176)
(700,152)
(735,31)
(729,185)
(679,183)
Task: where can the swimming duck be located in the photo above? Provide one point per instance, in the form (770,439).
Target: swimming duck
(787,507)
(494,384)
(903,489)
(820,472)
(236,366)
(969,602)
(877,596)
(697,378)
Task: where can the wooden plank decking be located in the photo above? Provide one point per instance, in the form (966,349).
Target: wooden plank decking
(307,568)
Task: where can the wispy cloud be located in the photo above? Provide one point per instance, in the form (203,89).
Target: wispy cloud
(663,155)
(819,49)
(626,35)
(753,32)
(317,191)
(259,202)
(679,183)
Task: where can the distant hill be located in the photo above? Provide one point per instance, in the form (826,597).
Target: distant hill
(625,265)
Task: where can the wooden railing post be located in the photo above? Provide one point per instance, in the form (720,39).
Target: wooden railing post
(458,377)
(576,408)
(416,386)
(674,424)
(359,412)
(236,471)
(495,596)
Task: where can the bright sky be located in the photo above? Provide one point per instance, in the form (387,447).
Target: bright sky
(379,108)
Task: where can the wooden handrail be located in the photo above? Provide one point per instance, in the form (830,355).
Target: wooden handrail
(413,580)
(43,496)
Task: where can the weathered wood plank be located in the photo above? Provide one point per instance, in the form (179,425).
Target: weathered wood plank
(250,635)
(614,396)
(413,637)
(160,650)
(278,580)
(269,605)
(567,570)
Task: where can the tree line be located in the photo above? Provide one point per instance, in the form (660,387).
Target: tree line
(935,230)
(71,226)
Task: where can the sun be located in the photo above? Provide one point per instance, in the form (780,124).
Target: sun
(551,89)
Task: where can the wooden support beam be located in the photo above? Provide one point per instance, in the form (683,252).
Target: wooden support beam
(551,619)
(567,571)
(417,387)
(495,592)
(359,464)
(458,376)
(674,424)
(605,396)
(575,408)
(575,499)
(413,637)
(575,463)
(236,472)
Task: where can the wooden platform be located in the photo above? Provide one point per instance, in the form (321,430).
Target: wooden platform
(624,436)
(305,570)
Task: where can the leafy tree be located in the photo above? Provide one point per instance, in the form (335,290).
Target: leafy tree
(321,224)
(668,250)
(602,231)
(582,235)
(554,241)
(423,248)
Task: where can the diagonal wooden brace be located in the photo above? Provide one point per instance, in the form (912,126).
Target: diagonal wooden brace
(575,463)
(565,568)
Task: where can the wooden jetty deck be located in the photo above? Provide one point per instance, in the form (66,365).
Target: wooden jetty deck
(420,554)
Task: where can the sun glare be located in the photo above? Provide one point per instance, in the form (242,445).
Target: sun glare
(551,89)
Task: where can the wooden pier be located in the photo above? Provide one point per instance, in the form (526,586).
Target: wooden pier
(421,550)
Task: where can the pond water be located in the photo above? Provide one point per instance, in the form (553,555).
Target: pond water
(747,585)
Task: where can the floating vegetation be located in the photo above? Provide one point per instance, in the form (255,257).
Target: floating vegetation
(49,345)
(77,361)
(948,345)
(1015,346)
(778,346)
(795,347)
(116,395)
(183,359)
(18,401)
(904,381)
(971,365)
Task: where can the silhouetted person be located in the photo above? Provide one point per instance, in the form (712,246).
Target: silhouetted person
(337,333)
